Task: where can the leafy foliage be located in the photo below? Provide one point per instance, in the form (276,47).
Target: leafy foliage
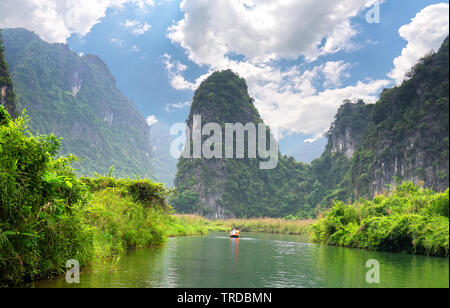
(7,94)
(404,136)
(409,218)
(40,224)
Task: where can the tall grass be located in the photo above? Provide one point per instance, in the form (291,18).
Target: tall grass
(265,225)
(119,224)
(186,225)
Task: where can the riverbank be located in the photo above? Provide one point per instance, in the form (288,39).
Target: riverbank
(258,260)
(407,219)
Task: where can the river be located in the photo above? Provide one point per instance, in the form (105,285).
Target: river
(258,261)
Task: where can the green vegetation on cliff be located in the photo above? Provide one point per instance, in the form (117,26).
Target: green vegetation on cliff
(76,98)
(7,95)
(221,188)
(408,219)
(403,137)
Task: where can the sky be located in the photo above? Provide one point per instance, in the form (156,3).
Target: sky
(301,58)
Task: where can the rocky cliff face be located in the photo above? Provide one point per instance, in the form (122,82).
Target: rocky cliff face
(7,96)
(404,136)
(346,134)
(76,97)
(165,166)
(222,98)
(224,188)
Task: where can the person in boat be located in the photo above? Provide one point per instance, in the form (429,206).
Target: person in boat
(234,232)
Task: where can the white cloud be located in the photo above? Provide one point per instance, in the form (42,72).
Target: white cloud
(294,105)
(56,20)
(142,4)
(135,48)
(289,100)
(426,32)
(267,30)
(175,70)
(170,107)
(152,120)
(334,72)
(136,27)
(117,42)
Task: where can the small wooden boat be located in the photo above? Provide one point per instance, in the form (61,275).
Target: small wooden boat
(234,235)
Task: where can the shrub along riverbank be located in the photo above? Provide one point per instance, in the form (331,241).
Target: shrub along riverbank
(408,219)
(48,216)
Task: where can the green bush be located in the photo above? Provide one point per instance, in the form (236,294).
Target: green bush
(119,224)
(40,198)
(410,219)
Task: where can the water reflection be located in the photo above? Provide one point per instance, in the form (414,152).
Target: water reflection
(235,253)
(258,261)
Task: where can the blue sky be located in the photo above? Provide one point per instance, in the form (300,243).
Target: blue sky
(301,58)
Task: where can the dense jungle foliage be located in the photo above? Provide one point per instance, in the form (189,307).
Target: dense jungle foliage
(7,94)
(403,137)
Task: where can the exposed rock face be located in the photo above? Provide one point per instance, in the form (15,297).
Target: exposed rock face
(344,144)
(210,195)
(404,136)
(224,188)
(345,136)
(222,98)
(77,98)
(7,96)
(76,84)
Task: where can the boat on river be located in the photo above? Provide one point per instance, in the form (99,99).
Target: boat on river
(235,234)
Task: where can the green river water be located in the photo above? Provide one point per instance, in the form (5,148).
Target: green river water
(258,261)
